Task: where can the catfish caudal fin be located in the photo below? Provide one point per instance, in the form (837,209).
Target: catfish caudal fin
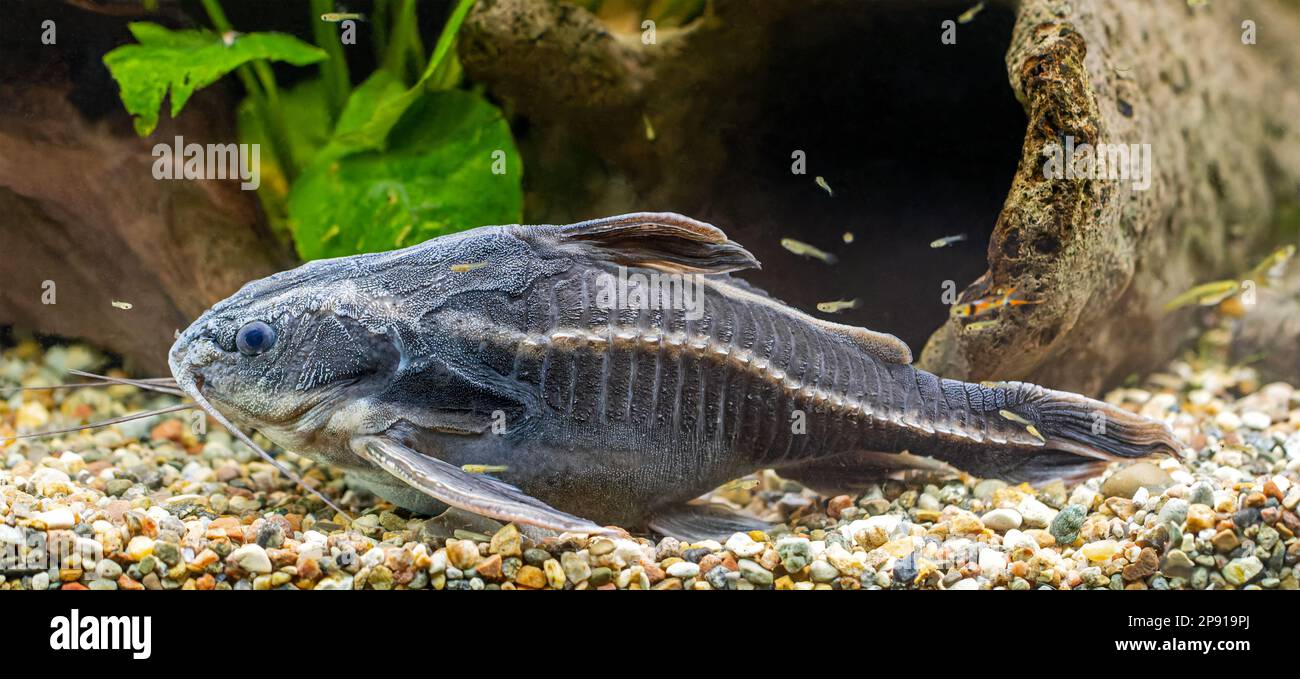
(1081,436)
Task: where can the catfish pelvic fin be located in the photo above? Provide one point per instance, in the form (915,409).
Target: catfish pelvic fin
(661,240)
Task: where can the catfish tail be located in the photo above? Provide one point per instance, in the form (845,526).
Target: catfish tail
(1080,435)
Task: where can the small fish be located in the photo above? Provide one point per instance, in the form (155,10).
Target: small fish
(1272,266)
(649,129)
(462,268)
(969,15)
(980,325)
(805,250)
(122,305)
(848,237)
(837,306)
(335,17)
(947,240)
(1033,431)
(1205,294)
(484,468)
(984,305)
(821,181)
(1014,417)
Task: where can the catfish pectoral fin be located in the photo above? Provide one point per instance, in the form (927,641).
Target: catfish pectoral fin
(476,493)
(697,521)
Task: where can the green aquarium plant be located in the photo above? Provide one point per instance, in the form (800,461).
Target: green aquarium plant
(404,156)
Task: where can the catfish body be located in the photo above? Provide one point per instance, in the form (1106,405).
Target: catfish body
(404,367)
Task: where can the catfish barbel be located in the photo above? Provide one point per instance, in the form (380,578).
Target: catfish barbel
(402,368)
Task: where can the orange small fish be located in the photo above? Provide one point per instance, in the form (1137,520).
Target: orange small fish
(984,305)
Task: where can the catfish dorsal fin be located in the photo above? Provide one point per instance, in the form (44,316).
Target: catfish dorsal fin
(661,240)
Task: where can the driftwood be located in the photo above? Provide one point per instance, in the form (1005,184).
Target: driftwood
(1100,257)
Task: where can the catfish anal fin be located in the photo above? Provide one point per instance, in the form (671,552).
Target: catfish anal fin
(855,472)
(697,521)
(476,493)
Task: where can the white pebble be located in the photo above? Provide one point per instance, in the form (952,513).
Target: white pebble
(992,561)
(684,569)
(1254,419)
(1228,421)
(252,558)
(1002,520)
(743,546)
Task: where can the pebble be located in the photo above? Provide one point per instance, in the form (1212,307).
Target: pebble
(252,558)
(1001,520)
(1068,522)
(744,546)
(1254,419)
(1125,482)
(1241,571)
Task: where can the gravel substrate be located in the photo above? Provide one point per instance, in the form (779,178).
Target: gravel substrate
(151,505)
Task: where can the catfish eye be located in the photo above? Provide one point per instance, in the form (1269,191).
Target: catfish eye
(255,338)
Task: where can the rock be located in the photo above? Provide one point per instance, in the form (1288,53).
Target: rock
(506,542)
(531,577)
(1241,571)
(251,557)
(57,519)
(992,562)
(755,573)
(1002,520)
(139,547)
(1125,482)
(1101,551)
(1174,511)
(490,568)
(744,546)
(554,574)
(1199,517)
(1228,421)
(1225,541)
(823,571)
(984,489)
(462,554)
(1035,514)
(600,576)
(1254,419)
(684,570)
(964,584)
(575,567)
(795,553)
(168,552)
(1067,524)
(1146,565)
(1178,564)
(1085,496)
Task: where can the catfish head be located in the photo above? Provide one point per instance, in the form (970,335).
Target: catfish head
(302,355)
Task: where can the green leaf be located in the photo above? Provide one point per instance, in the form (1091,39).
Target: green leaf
(374,119)
(185,61)
(435,177)
(358,128)
(306,111)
